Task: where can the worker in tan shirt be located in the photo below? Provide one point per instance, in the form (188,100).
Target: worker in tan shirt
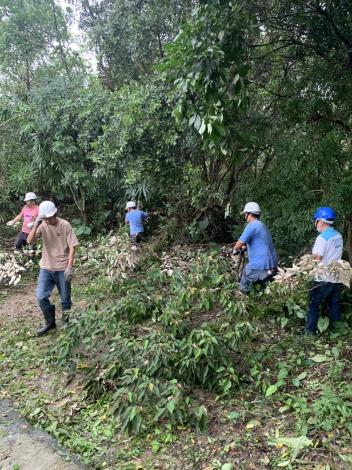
(56,265)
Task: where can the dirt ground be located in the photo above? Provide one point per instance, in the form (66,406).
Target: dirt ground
(20,303)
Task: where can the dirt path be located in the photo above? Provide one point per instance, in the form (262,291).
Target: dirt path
(20,303)
(21,446)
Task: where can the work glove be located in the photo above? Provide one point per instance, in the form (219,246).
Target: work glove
(37,222)
(10,223)
(68,274)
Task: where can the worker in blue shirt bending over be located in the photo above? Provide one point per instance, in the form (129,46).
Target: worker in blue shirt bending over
(328,247)
(262,257)
(135,219)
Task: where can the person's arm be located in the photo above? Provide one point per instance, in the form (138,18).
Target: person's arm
(239,245)
(319,248)
(126,219)
(72,243)
(244,238)
(69,270)
(16,219)
(71,256)
(34,234)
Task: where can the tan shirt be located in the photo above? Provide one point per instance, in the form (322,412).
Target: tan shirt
(57,241)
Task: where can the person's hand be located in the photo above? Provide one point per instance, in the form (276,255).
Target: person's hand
(68,274)
(37,222)
(10,223)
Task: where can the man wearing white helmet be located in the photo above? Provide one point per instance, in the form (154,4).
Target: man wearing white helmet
(29,213)
(56,265)
(262,257)
(135,219)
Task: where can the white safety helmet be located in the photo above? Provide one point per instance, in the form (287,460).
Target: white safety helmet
(30,197)
(131,204)
(252,208)
(47,209)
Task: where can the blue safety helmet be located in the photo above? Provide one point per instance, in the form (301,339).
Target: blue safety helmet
(324,213)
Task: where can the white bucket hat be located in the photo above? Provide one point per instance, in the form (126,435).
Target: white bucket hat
(30,197)
(47,209)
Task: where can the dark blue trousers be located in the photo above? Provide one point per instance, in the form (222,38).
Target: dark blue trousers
(21,240)
(320,291)
(47,280)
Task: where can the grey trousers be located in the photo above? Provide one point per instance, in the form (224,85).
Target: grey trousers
(250,276)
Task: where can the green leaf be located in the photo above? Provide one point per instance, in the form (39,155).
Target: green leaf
(221,35)
(192,119)
(253,423)
(284,463)
(197,122)
(220,129)
(202,128)
(296,444)
(233,415)
(323,324)
(235,80)
(171,406)
(282,373)
(197,353)
(227,466)
(302,376)
(271,390)
(319,358)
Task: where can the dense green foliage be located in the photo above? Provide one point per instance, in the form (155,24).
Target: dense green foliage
(161,337)
(196,107)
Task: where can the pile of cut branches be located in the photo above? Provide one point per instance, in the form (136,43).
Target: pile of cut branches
(310,268)
(112,255)
(181,259)
(10,269)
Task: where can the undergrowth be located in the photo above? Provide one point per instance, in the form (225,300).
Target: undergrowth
(170,348)
(150,341)
(158,339)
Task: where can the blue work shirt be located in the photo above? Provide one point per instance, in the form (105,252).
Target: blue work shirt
(136,220)
(260,247)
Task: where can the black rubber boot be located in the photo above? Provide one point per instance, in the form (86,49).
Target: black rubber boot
(49,316)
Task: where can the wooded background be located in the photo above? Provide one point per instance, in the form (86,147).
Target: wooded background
(194,108)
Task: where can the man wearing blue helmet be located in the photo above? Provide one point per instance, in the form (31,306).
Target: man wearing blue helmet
(327,247)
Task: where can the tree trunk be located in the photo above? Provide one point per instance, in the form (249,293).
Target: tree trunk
(58,37)
(348,227)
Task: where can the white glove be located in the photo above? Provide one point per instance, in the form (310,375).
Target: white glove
(10,223)
(37,222)
(68,274)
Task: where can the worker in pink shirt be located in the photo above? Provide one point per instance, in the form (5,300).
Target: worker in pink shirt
(29,213)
